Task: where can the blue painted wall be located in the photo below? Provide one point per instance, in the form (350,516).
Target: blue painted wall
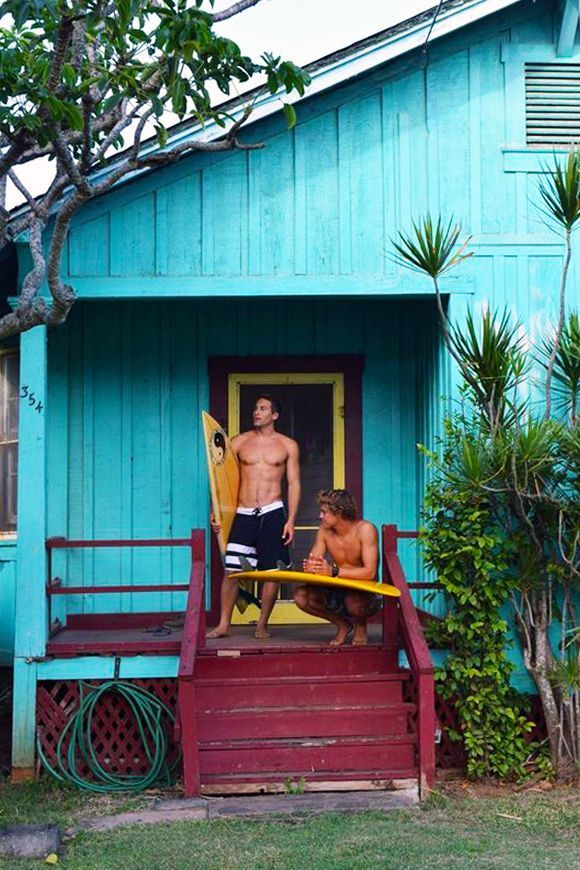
(128,382)
(312,212)
(7,600)
(308,216)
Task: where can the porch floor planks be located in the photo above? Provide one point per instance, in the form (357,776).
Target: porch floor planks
(106,639)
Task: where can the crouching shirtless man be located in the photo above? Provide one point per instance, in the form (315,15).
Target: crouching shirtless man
(352,545)
(261,531)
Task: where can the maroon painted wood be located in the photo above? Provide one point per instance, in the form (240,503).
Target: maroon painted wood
(373,757)
(116,738)
(189,739)
(418,655)
(351,366)
(96,590)
(294,722)
(307,665)
(267,692)
(123,641)
(68,544)
(119,633)
(120,621)
(193,639)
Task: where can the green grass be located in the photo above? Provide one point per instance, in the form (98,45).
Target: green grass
(448,832)
(51,802)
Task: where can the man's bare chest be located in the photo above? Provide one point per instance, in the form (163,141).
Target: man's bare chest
(272,455)
(345,550)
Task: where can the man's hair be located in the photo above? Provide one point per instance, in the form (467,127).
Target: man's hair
(339,502)
(274,402)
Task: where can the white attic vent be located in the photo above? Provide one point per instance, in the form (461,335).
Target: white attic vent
(552,103)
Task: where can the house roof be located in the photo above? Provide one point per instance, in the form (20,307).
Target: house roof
(328,72)
(346,63)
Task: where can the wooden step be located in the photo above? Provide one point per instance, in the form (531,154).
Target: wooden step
(362,757)
(210,665)
(240,783)
(304,722)
(269,692)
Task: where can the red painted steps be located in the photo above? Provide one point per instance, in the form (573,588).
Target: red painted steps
(324,715)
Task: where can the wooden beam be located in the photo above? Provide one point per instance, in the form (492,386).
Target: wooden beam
(31,619)
(566,35)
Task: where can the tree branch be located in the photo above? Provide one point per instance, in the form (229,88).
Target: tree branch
(24,191)
(234,9)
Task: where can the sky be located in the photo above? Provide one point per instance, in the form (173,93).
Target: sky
(298,30)
(305,30)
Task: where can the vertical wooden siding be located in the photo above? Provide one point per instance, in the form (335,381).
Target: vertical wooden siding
(7,600)
(325,198)
(128,382)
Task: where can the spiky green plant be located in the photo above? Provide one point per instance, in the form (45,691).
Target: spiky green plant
(433,248)
(560,194)
(567,367)
(493,362)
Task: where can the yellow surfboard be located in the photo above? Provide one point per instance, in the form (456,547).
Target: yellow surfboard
(224,476)
(282,576)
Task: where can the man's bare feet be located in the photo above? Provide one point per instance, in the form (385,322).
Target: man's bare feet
(261,632)
(218,631)
(360,636)
(344,629)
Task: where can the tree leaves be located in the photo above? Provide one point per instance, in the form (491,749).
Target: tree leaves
(560,192)
(433,248)
(75,81)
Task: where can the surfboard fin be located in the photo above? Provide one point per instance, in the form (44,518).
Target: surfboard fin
(246,564)
(248,598)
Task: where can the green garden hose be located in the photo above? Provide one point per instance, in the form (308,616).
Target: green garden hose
(149,713)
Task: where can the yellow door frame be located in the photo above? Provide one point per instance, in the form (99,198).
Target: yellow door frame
(286,612)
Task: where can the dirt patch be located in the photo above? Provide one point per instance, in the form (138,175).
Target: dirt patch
(454,784)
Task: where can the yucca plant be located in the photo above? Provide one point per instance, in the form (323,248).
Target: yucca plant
(494,362)
(433,248)
(560,195)
(566,372)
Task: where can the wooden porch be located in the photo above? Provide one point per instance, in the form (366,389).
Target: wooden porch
(253,714)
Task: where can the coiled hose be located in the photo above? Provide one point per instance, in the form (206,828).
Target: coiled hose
(148,712)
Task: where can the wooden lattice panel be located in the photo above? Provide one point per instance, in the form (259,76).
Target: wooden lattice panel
(117,744)
(448,753)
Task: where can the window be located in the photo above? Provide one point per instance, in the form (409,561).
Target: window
(8,440)
(552,103)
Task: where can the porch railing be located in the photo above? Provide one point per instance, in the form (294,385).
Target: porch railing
(193,639)
(416,650)
(55,585)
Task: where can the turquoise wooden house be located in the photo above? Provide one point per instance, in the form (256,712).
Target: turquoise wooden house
(201,285)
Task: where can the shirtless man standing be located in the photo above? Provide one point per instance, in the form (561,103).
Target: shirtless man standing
(352,544)
(261,532)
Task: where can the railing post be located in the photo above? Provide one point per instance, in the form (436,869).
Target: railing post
(390,607)
(418,655)
(426,732)
(198,554)
(193,639)
(390,537)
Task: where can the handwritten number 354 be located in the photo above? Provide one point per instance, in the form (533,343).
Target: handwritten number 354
(26,393)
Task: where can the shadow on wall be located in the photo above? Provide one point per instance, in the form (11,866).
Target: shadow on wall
(5,720)
(8,276)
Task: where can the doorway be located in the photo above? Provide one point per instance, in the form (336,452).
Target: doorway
(321,411)
(312,414)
